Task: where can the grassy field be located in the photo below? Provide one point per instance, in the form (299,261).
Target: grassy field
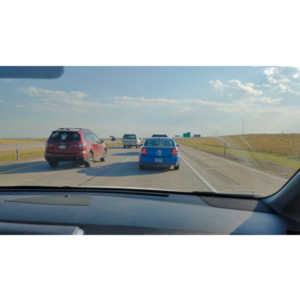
(117,144)
(20,141)
(33,153)
(26,141)
(7,156)
(279,149)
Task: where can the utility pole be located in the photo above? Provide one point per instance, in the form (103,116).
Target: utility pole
(243,126)
(17,153)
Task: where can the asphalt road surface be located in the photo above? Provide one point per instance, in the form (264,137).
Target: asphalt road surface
(199,171)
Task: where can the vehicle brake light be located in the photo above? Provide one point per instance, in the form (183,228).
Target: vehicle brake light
(174,151)
(144,151)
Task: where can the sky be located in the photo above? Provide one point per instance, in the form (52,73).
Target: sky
(211,101)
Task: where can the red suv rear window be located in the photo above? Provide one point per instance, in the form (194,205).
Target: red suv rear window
(64,136)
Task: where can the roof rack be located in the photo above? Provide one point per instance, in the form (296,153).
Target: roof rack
(69,129)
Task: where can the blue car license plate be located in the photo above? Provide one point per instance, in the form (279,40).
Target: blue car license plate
(158,160)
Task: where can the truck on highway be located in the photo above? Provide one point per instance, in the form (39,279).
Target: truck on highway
(131,140)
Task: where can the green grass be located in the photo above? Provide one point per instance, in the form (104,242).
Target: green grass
(276,149)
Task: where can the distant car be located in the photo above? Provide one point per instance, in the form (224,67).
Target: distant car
(159,153)
(74,144)
(159,135)
(131,140)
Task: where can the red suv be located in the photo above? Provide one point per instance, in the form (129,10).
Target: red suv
(74,144)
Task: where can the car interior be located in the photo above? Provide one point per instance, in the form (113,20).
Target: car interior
(101,211)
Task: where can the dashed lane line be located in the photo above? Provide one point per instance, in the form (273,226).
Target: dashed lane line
(199,175)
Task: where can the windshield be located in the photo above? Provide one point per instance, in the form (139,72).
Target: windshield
(236,129)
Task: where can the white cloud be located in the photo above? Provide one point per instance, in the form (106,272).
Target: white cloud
(192,106)
(284,80)
(247,87)
(270,71)
(190,109)
(283,87)
(273,75)
(237,85)
(266,100)
(249,107)
(138,101)
(47,99)
(217,84)
(53,99)
(200,113)
(40,92)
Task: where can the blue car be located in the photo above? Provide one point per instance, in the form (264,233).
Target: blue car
(159,153)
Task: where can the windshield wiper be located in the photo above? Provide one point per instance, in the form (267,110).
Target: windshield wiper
(126,190)
(119,190)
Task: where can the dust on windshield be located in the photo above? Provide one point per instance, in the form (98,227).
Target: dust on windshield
(227,129)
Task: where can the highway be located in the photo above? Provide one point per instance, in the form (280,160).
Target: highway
(199,171)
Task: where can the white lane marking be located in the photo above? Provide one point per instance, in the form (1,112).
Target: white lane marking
(199,175)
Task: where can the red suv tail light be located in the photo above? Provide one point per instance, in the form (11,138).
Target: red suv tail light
(143,151)
(174,151)
(49,144)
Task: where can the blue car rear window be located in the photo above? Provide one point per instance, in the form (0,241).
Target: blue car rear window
(159,143)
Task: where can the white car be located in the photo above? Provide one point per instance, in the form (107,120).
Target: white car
(131,140)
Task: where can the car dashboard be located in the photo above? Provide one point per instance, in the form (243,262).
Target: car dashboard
(134,212)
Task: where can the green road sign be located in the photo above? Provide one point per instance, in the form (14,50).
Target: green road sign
(187,135)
